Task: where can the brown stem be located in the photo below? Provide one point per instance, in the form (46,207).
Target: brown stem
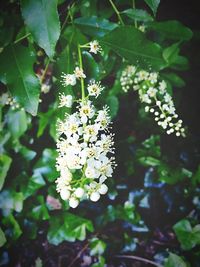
(139,259)
(78,255)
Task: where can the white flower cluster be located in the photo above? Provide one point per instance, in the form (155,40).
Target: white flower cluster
(85,148)
(153,92)
(7,99)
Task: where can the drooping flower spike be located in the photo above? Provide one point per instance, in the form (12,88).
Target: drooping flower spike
(85,145)
(153,92)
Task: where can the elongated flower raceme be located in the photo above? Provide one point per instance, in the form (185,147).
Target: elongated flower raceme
(85,149)
(153,93)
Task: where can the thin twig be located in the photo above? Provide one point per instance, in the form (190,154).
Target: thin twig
(116,11)
(45,70)
(139,259)
(79,255)
(22,38)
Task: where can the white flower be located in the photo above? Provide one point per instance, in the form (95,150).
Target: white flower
(152,91)
(95,196)
(79,192)
(65,100)
(90,132)
(142,75)
(73,202)
(95,47)
(153,77)
(86,111)
(162,87)
(79,74)
(65,194)
(103,117)
(45,88)
(103,189)
(90,172)
(94,88)
(68,79)
(142,28)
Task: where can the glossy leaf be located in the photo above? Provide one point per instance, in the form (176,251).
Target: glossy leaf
(149,161)
(138,15)
(174,79)
(153,4)
(91,66)
(188,237)
(46,28)
(170,53)
(5,162)
(68,227)
(95,26)
(97,247)
(2,238)
(14,230)
(175,260)
(172,29)
(135,47)
(113,103)
(16,71)
(40,211)
(46,165)
(17,123)
(35,182)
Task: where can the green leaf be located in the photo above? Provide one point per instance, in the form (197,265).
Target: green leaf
(91,66)
(95,26)
(172,29)
(44,120)
(97,247)
(46,165)
(175,261)
(2,238)
(35,182)
(17,123)
(184,233)
(149,161)
(174,79)
(170,53)
(40,212)
(135,47)
(16,71)
(73,35)
(14,227)
(68,227)
(5,162)
(153,4)
(138,15)
(10,200)
(113,103)
(100,263)
(42,20)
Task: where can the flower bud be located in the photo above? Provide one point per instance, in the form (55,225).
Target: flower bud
(103,189)
(65,194)
(73,202)
(79,192)
(95,196)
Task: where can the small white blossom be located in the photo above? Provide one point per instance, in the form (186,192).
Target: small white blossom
(94,88)
(95,196)
(95,47)
(79,74)
(65,100)
(68,79)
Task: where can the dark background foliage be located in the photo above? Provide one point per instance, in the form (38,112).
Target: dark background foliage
(160,215)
